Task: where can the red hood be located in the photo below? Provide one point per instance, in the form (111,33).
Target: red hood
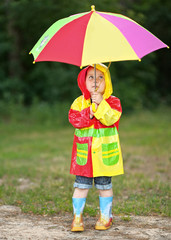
(82,83)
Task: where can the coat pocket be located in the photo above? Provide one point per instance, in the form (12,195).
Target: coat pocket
(110,153)
(82,153)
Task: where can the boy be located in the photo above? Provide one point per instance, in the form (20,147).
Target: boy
(96,150)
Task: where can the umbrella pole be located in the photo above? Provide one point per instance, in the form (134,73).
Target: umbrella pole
(95,75)
(93,104)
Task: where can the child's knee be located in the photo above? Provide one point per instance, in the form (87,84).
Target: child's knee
(106,192)
(80,192)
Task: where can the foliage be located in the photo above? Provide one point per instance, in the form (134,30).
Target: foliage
(40,113)
(22,23)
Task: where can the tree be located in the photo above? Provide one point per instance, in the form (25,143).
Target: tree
(24,21)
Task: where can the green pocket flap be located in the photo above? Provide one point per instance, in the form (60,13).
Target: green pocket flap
(82,153)
(110,153)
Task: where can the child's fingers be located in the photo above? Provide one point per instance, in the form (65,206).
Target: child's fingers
(93,98)
(91,112)
(94,94)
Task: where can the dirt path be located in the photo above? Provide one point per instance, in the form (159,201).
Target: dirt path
(17,226)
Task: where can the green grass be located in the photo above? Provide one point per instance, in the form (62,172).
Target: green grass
(35,162)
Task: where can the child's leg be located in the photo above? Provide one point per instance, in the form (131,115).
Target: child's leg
(80,193)
(104,185)
(82,185)
(106,193)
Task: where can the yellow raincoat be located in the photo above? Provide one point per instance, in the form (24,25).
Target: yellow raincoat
(96,147)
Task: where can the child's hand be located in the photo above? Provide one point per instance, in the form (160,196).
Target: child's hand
(96,97)
(91,110)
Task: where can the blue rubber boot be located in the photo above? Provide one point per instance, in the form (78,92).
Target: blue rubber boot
(78,207)
(105,220)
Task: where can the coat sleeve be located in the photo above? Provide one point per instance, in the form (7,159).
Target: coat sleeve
(80,118)
(109,111)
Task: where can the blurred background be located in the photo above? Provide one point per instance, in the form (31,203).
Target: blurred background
(35,135)
(22,84)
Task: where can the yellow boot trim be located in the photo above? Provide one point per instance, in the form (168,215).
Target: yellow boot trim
(77,224)
(101,225)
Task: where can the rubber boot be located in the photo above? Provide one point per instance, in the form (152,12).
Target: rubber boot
(105,220)
(78,207)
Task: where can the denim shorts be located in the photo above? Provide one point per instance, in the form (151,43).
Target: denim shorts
(101,183)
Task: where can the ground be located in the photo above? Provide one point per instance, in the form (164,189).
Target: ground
(36,187)
(14,225)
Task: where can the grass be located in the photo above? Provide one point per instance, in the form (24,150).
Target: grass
(35,162)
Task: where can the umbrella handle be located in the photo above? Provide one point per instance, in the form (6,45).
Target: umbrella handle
(93,107)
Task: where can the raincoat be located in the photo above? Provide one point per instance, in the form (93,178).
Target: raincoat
(96,147)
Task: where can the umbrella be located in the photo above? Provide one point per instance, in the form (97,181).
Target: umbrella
(94,37)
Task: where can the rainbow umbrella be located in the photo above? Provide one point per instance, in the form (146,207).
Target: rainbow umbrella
(94,37)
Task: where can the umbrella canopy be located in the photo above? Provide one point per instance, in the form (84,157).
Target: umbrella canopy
(94,37)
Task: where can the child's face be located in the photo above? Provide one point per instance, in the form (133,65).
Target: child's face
(100,81)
